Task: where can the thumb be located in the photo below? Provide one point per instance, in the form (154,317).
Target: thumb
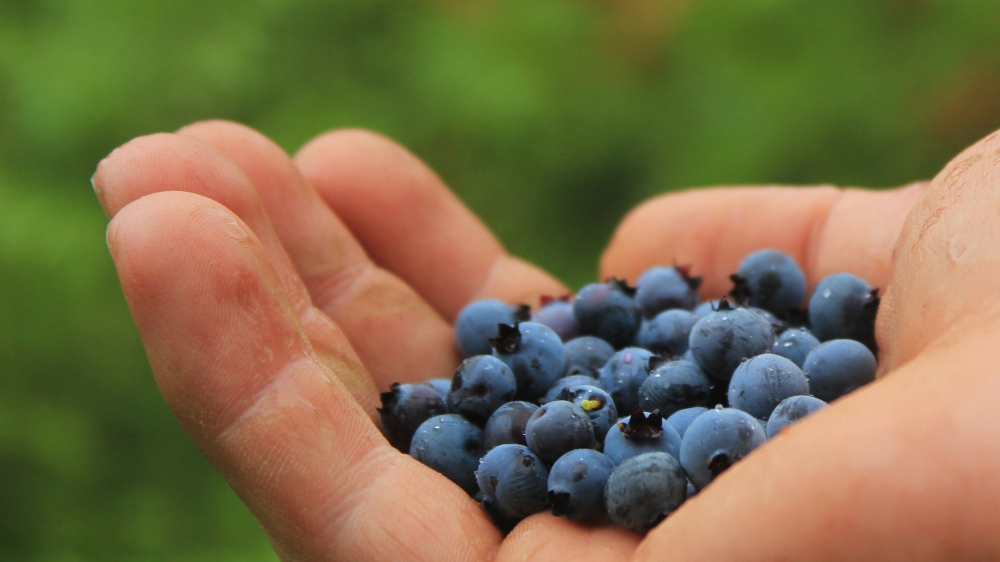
(947,259)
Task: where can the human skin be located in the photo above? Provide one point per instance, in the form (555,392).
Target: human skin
(276,296)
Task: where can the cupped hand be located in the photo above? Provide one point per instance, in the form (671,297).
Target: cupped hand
(276,298)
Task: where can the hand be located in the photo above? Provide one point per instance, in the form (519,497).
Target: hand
(275,298)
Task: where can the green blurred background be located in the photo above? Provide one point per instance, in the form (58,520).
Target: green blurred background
(549,118)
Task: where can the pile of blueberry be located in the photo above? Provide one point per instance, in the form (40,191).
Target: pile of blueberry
(623,402)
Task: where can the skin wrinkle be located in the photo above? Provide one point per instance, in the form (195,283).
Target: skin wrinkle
(364,298)
(270,412)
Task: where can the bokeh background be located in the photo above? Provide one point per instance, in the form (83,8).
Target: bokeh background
(550,118)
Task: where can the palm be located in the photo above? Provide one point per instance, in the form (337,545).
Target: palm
(271,334)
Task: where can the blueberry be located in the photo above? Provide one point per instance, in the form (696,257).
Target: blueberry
(451,445)
(598,405)
(790,411)
(608,311)
(558,315)
(795,344)
(566,382)
(557,428)
(644,489)
(706,308)
(534,353)
(691,490)
(760,384)
(481,385)
(662,288)
(673,386)
(514,482)
(722,339)
(837,367)
(844,307)
(667,333)
(477,323)
(646,434)
(771,280)
(586,354)
(507,423)
(443,386)
(715,440)
(404,408)
(777,326)
(624,374)
(681,419)
(576,484)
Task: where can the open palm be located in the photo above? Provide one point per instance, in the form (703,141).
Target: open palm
(276,298)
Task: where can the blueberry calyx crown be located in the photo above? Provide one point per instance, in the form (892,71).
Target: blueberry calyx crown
(740,292)
(508,338)
(559,501)
(718,464)
(693,281)
(723,305)
(388,398)
(621,285)
(641,427)
(522,313)
(655,361)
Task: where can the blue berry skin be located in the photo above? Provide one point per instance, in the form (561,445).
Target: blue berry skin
(623,374)
(844,306)
(626,440)
(451,445)
(608,311)
(790,411)
(404,408)
(507,424)
(557,428)
(558,315)
(644,490)
(674,386)
(598,405)
(723,339)
(667,333)
(837,367)
(773,281)
(534,353)
(477,323)
(443,386)
(777,326)
(705,308)
(566,382)
(681,419)
(514,482)
(715,440)
(760,384)
(481,385)
(585,355)
(691,490)
(661,288)
(795,344)
(576,485)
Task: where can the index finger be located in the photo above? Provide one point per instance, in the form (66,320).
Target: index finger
(827,230)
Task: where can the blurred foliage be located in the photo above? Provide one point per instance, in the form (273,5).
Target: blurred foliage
(550,118)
